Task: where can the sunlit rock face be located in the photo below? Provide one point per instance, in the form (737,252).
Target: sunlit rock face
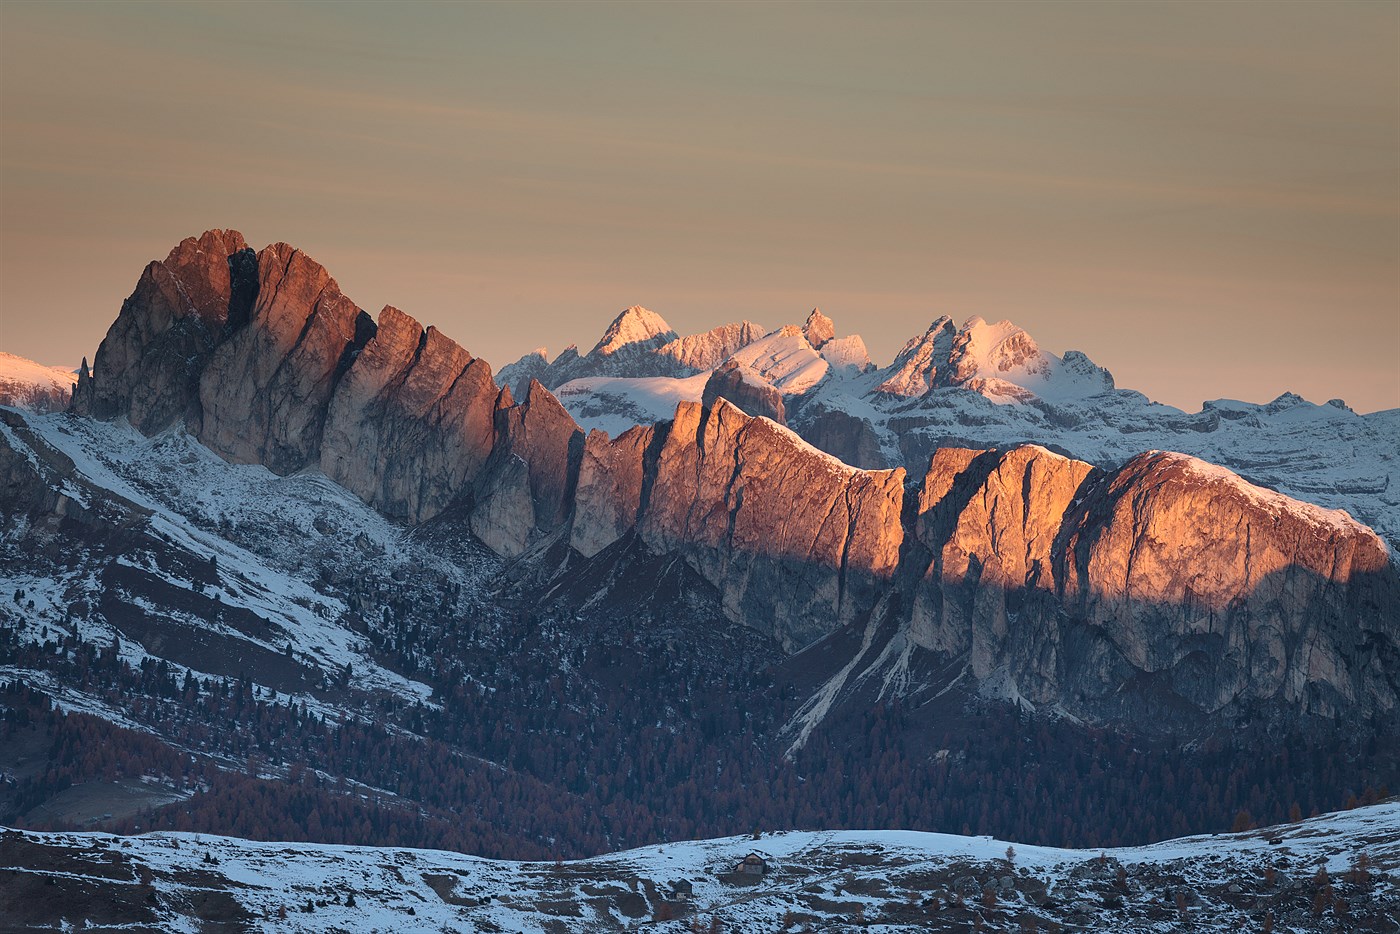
(1067,583)
(1242,592)
(411,422)
(916,367)
(608,498)
(147,368)
(265,389)
(796,541)
(818,329)
(990,521)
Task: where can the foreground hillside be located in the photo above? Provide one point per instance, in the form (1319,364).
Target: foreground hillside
(1333,873)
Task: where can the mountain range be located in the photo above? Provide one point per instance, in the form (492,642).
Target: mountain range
(672,587)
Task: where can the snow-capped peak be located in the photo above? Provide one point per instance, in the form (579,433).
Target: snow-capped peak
(33,386)
(786,359)
(635,325)
(915,367)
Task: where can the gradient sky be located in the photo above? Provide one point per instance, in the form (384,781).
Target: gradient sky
(1205,198)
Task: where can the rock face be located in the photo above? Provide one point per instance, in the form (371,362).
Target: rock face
(529,483)
(991,520)
(743,386)
(148,367)
(265,361)
(1060,584)
(266,388)
(916,367)
(612,476)
(412,421)
(797,542)
(1235,591)
(818,329)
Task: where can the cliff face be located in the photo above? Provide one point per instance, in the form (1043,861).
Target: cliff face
(1049,579)
(797,542)
(149,365)
(1238,592)
(1060,584)
(412,421)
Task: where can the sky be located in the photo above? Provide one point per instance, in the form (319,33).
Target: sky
(1204,198)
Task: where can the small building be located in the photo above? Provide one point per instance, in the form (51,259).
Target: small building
(752,865)
(682,890)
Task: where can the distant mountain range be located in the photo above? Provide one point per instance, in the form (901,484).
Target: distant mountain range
(322,551)
(978,385)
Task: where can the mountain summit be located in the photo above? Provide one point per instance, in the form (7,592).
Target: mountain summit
(635,328)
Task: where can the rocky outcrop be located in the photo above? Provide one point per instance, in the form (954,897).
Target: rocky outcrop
(743,386)
(1060,584)
(916,367)
(990,520)
(266,389)
(611,479)
(797,542)
(818,329)
(411,423)
(538,450)
(148,367)
(1237,593)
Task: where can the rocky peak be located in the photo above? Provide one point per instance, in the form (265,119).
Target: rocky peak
(265,389)
(148,365)
(916,367)
(796,541)
(819,328)
(637,328)
(993,350)
(411,423)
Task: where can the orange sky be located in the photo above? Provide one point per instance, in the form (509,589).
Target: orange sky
(1203,198)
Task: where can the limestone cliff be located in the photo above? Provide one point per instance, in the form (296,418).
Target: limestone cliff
(796,541)
(148,367)
(412,421)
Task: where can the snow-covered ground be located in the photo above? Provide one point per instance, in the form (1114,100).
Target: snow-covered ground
(267,537)
(873,880)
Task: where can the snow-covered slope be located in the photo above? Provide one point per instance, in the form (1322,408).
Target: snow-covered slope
(256,543)
(615,404)
(33,386)
(1335,872)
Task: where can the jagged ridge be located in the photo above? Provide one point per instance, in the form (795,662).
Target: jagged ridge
(1066,580)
